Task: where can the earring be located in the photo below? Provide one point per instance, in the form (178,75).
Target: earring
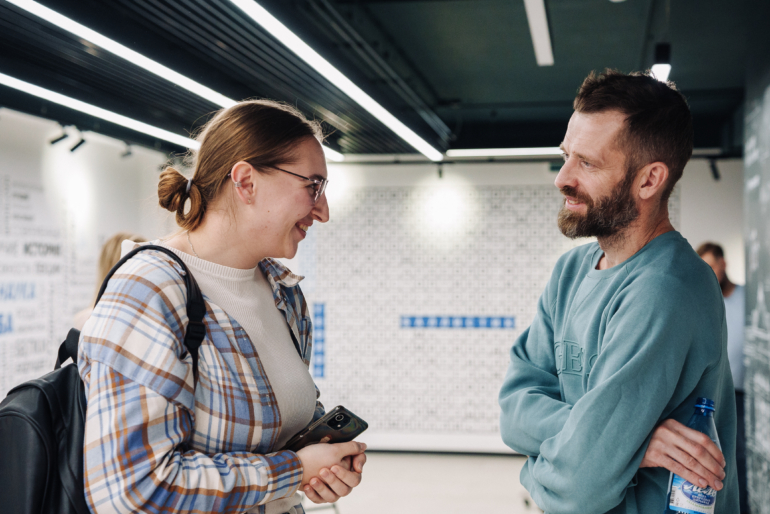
(237,184)
(248,202)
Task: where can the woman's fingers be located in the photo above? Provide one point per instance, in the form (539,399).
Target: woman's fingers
(327,485)
(358,463)
(349,448)
(340,481)
(312,495)
(350,478)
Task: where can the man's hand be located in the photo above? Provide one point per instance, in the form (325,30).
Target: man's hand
(687,452)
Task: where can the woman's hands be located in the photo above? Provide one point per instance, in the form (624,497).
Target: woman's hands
(331,470)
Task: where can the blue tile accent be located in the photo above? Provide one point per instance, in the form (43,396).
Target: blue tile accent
(451,322)
(319,340)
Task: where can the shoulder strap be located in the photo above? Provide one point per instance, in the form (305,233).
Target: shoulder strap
(196,309)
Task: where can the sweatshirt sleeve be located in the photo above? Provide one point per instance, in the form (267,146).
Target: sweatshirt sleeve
(530,399)
(588,466)
(140,416)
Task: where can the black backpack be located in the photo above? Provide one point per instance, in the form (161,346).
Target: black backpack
(42,422)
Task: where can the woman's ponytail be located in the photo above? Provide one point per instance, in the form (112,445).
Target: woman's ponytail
(173,191)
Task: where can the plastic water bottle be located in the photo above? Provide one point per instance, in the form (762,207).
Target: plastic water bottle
(682,495)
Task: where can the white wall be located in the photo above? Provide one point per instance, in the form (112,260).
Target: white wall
(709,210)
(713,210)
(71,202)
(77,200)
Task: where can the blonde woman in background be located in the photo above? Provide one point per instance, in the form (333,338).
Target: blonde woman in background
(157,438)
(109,256)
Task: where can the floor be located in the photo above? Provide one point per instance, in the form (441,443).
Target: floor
(406,483)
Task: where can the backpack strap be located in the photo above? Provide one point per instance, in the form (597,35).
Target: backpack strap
(69,348)
(196,310)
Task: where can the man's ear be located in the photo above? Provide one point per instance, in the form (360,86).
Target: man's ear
(652,179)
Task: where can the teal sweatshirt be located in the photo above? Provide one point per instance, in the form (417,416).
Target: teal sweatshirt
(609,356)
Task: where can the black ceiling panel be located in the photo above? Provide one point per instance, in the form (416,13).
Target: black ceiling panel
(460,73)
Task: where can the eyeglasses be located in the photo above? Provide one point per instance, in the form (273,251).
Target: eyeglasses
(319,185)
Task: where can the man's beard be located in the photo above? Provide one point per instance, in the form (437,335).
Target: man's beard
(606,219)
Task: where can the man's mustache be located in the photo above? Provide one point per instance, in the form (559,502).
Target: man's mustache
(574,193)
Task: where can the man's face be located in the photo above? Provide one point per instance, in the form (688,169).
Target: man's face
(598,192)
(718,264)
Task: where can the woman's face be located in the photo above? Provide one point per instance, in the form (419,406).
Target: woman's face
(283,207)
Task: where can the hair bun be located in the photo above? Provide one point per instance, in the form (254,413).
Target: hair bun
(172,189)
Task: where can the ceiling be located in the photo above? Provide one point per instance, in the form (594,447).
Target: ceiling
(460,73)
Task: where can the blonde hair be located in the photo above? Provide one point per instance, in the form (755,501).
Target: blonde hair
(110,255)
(263,133)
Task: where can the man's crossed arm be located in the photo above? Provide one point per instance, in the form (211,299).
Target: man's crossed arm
(602,437)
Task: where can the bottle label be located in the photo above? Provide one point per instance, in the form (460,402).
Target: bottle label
(686,497)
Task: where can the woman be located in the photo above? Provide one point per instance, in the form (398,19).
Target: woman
(158,439)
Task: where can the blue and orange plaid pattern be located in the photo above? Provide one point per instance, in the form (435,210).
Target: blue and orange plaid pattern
(156,441)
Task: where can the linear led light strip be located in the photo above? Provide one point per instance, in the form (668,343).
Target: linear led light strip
(333,75)
(122,51)
(276,29)
(135,58)
(98,112)
(538,29)
(505,152)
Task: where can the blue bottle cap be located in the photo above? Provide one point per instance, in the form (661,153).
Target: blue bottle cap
(704,403)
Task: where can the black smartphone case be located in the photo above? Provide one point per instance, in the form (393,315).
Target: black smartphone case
(320,432)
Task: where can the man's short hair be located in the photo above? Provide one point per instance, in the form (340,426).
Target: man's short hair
(658,121)
(711,248)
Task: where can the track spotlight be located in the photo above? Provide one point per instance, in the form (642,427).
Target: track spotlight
(78,144)
(60,138)
(662,67)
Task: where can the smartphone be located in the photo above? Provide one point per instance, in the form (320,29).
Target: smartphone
(339,425)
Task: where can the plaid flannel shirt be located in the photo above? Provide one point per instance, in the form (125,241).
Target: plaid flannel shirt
(156,441)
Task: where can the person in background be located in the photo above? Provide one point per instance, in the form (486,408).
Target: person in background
(108,257)
(630,330)
(159,438)
(735,311)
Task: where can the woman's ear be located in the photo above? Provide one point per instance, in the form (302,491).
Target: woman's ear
(243,175)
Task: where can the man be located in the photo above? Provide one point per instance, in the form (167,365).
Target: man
(629,332)
(735,313)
